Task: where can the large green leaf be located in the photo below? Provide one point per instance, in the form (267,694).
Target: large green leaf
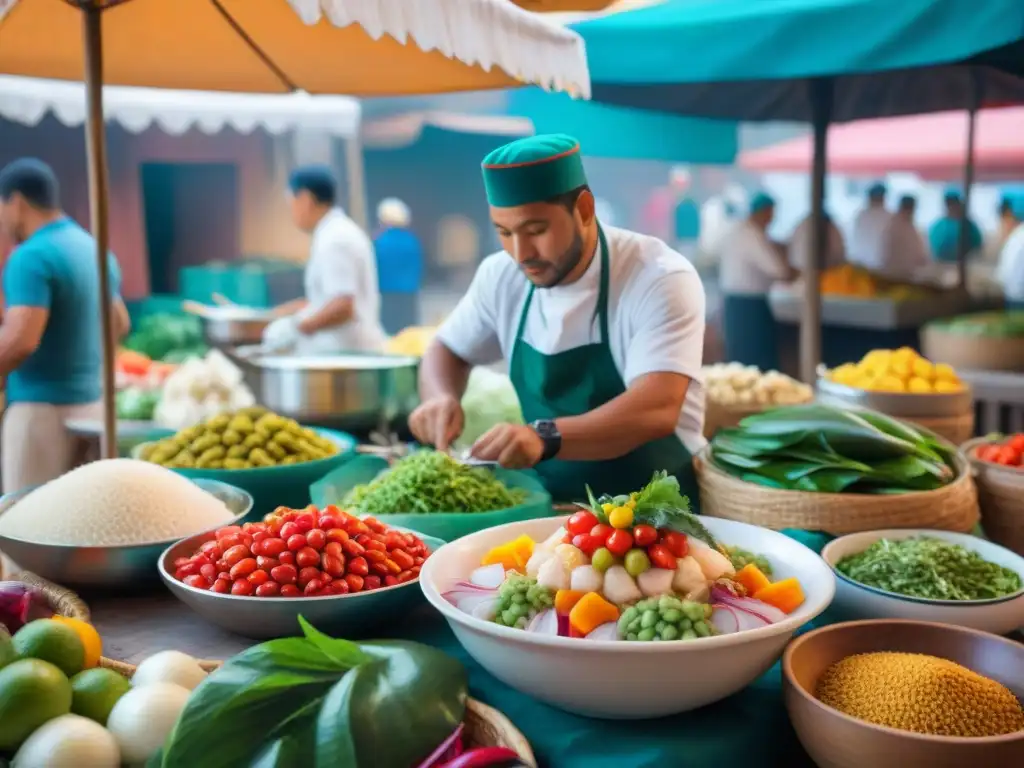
(736,440)
(828,481)
(393,710)
(738,460)
(283,704)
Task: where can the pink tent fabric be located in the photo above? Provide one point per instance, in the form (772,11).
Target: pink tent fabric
(933,146)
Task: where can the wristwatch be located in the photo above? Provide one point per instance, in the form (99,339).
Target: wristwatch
(548,432)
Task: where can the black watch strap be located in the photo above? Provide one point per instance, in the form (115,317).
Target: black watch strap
(548,432)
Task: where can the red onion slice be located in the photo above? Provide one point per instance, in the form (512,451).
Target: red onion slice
(488,576)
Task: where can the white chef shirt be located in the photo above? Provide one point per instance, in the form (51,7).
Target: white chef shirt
(868,237)
(342,263)
(1011,265)
(655,317)
(801,245)
(750,263)
(903,250)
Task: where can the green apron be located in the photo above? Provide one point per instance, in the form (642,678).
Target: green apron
(575,382)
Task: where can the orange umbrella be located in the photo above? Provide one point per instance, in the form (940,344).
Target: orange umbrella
(354,47)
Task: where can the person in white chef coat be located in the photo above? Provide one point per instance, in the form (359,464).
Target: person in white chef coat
(1010,272)
(751,264)
(801,245)
(866,241)
(904,251)
(341,309)
(602,329)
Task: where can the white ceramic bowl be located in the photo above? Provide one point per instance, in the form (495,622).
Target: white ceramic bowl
(858,601)
(624,680)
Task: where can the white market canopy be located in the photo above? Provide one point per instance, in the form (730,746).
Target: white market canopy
(405,129)
(28,100)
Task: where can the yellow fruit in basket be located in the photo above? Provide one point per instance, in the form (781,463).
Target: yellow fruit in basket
(901,368)
(876,359)
(888,383)
(945,372)
(923,369)
(905,353)
(944,386)
(845,374)
(920,386)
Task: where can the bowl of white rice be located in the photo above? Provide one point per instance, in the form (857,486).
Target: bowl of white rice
(105,524)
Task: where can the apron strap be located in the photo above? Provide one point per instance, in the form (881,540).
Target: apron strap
(600,308)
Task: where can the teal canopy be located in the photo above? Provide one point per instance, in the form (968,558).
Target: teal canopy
(606,131)
(755,59)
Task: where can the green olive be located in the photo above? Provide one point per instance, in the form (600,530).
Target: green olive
(259,458)
(235,463)
(231,437)
(237,452)
(276,450)
(254,441)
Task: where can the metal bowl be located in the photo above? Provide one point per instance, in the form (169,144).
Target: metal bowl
(902,405)
(231,332)
(115,566)
(267,617)
(354,393)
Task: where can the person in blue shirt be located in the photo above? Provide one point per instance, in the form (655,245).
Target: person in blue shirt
(50,338)
(944,235)
(399,266)
(687,226)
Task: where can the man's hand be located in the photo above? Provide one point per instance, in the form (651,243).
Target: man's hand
(513,446)
(438,422)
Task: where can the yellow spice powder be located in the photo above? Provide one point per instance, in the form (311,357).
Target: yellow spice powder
(920,693)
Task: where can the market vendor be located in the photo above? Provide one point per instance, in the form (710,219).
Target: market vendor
(51,337)
(341,309)
(903,250)
(399,266)
(944,235)
(602,328)
(750,265)
(1010,272)
(801,245)
(868,236)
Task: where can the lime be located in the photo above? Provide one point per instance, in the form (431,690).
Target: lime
(51,641)
(31,693)
(7,652)
(96,691)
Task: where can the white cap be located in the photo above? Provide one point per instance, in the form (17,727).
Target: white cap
(392,212)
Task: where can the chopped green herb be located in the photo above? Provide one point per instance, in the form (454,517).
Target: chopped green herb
(929,568)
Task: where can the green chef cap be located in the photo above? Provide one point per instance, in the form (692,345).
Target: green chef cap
(761,201)
(532,170)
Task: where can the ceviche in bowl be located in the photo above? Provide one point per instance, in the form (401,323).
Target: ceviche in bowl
(631,607)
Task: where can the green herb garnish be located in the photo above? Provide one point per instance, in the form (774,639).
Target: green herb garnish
(929,568)
(659,504)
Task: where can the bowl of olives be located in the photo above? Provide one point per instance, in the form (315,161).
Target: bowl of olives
(274,458)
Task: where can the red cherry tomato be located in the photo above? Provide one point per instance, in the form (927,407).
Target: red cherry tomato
(268,589)
(337,534)
(223,586)
(327,522)
(198,581)
(601,532)
(332,564)
(305,521)
(586,543)
(290,590)
(371,582)
(267,563)
(661,557)
(288,530)
(242,587)
(235,554)
(242,568)
(619,543)
(284,574)
(353,548)
(359,567)
(581,522)
(307,556)
(316,539)
(296,542)
(313,586)
(403,558)
(355,583)
(259,577)
(338,587)
(286,558)
(273,547)
(645,535)
(307,574)
(675,542)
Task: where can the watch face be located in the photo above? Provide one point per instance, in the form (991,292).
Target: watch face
(545,428)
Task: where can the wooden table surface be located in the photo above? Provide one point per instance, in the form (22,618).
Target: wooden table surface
(136,627)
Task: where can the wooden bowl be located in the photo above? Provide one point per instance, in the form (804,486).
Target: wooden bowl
(835,740)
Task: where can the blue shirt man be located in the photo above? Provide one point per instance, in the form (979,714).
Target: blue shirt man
(50,338)
(399,266)
(944,235)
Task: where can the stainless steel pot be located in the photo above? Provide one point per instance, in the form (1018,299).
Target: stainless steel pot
(365,394)
(226,332)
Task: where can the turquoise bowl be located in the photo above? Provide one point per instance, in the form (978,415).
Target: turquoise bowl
(273,487)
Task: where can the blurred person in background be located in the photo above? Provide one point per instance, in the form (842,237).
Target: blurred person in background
(944,235)
(801,245)
(1010,272)
(399,266)
(750,265)
(341,309)
(1005,224)
(51,336)
(869,230)
(904,251)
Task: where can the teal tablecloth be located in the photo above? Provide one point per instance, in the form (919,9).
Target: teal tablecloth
(748,729)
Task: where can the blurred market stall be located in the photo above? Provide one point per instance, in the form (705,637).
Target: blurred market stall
(359,47)
(797,60)
(930,146)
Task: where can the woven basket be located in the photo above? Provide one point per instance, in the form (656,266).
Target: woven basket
(1001,493)
(62,600)
(952,508)
(955,429)
(484,726)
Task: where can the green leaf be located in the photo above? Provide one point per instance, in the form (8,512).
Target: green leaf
(344,653)
(828,481)
(749,477)
(395,709)
(736,460)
